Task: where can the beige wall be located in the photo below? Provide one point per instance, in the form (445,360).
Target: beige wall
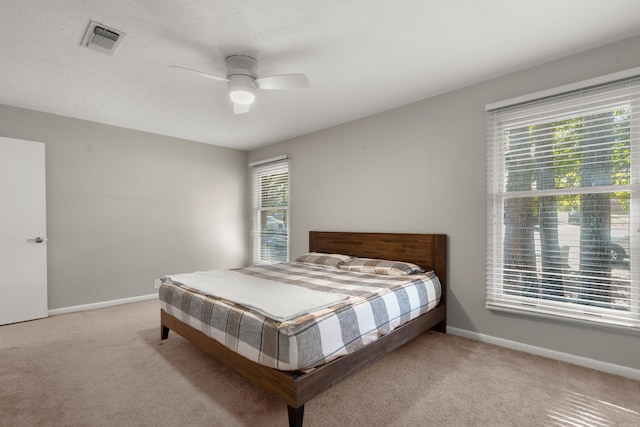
(421,168)
(125,207)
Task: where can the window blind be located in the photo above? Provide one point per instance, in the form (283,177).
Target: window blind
(269,181)
(563,203)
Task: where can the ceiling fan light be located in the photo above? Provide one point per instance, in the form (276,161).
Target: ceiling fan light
(242,95)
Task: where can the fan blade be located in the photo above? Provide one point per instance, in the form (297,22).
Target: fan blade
(200,73)
(241,108)
(283,81)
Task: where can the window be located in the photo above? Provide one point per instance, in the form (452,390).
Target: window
(270,211)
(563,204)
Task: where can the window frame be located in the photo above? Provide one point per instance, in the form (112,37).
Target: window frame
(497,298)
(259,170)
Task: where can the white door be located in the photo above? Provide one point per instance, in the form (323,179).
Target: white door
(23,227)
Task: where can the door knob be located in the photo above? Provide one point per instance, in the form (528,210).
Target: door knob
(37,240)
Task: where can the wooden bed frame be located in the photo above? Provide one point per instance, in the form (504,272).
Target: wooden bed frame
(295,387)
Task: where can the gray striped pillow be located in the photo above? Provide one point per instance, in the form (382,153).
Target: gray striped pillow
(322,259)
(381,266)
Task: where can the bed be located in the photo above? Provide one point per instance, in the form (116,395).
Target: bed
(298,386)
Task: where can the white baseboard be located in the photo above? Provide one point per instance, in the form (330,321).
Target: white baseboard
(103,304)
(551,354)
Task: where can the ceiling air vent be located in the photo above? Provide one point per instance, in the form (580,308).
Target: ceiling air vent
(101,38)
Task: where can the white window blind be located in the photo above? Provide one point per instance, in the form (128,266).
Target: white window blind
(270,211)
(563,204)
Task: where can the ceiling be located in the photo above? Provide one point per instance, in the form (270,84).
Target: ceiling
(361,57)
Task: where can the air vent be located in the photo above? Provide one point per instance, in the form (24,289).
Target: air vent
(102,38)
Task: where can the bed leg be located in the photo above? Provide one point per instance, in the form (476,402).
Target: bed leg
(441,327)
(295,415)
(164,332)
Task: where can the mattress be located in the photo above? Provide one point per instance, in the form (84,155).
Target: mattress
(373,306)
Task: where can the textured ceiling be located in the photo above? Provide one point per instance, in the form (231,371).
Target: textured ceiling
(361,57)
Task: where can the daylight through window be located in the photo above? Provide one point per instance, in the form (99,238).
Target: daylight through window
(270,211)
(563,205)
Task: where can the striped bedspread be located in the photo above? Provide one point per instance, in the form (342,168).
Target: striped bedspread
(376,305)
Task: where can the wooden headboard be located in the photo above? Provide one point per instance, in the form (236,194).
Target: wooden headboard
(429,251)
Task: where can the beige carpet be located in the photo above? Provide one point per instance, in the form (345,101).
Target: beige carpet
(108,367)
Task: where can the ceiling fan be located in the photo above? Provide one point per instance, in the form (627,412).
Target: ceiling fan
(243,81)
